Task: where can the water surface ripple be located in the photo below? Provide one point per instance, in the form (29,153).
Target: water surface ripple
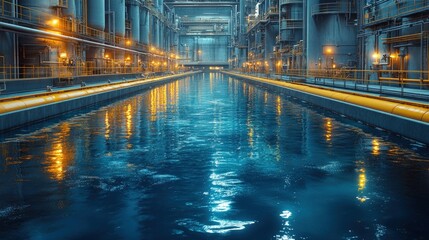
(211,157)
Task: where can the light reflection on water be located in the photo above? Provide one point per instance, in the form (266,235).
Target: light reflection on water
(207,158)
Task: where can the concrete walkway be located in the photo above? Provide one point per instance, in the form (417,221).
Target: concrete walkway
(408,117)
(386,91)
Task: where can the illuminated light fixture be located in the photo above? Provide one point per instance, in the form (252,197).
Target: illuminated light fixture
(375,55)
(54,22)
(334,66)
(106,56)
(128,42)
(63,55)
(128,59)
(328,50)
(393,56)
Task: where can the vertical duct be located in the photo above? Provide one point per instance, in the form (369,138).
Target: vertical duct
(116,24)
(155,35)
(96,20)
(135,21)
(96,14)
(70,10)
(144,26)
(79,8)
(118,7)
(313,46)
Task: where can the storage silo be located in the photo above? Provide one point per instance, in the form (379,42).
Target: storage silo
(331,34)
(134,13)
(37,55)
(144,26)
(96,21)
(291,32)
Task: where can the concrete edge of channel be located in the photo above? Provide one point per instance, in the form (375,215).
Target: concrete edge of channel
(16,119)
(407,127)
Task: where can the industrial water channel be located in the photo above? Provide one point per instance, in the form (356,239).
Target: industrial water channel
(211,157)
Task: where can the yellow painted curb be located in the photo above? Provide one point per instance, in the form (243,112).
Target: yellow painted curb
(19,103)
(420,113)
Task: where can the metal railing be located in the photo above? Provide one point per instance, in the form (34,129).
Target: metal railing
(283,2)
(291,24)
(383,82)
(373,13)
(333,8)
(67,26)
(60,71)
(59,3)
(204,20)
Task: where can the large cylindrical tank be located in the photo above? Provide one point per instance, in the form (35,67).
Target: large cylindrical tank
(157,33)
(331,40)
(160,6)
(144,26)
(41,9)
(70,11)
(157,38)
(134,13)
(118,6)
(96,14)
(314,50)
(79,9)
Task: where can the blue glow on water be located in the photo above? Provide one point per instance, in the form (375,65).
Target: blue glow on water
(211,157)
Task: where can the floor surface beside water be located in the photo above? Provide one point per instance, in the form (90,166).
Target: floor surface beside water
(211,157)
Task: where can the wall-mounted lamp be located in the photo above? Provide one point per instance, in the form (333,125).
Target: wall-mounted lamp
(54,22)
(376,57)
(328,50)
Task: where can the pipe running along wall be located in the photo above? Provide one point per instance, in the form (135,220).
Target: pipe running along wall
(420,113)
(409,120)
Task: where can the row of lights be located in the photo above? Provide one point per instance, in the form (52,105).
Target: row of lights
(256,63)
(56,22)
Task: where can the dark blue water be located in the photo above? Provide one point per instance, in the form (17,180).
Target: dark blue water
(211,157)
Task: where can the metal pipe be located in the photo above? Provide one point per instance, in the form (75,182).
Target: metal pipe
(15,43)
(187,4)
(56,35)
(421,53)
